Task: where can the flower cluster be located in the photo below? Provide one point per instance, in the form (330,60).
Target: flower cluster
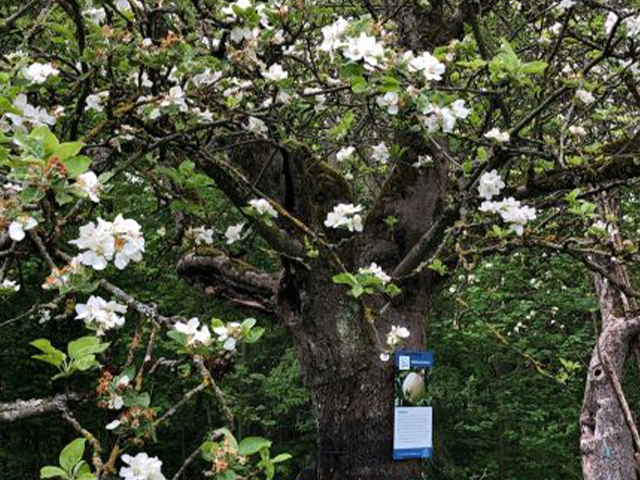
(110,391)
(141,467)
(35,116)
(263,208)
(201,235)
(394,338)
(228,334)
(490,184)
(345,216)
(234,233)
(120,240)
(512,211)
(380,153)
(430,67)
(196,336)
(376,270)
(444,118)
(100,315)
(497,135)
(39,72)
(8,284)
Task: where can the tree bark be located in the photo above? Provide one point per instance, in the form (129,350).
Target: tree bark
(606,424)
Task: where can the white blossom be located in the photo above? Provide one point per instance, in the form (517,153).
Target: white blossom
(195,334)
(112,425)
(275,73)
(176,96)
(512,212)
(611,20)
(141,467)
(206,78)
(95,15)
(257,127)
(565,5)
(427,64)
(35,115)
(116,402)
(490,184)
(396,335)
(20,225)
(497,135)
(585,96)
(345,216)
(201,235)
(345,153)
(332,35)
(39,72)
(376,270)
(89,184)
(94,101)
(120,240)
(263,207)
(389,102)
(364,47)
(633,25)
(10,285)
(100,315)
(227,334)
(234,233)
(577,131)
(380,153)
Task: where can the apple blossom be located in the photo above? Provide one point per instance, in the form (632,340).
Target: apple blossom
(388,102)
(20,225)
(234,233)
(195,335)
(275,73)
(345,153)
(141,467)
(39,72)
(376,270)
(263,207)
(380,153)
(89,184)
(497,135)
(585,96)
(100,315)
(345,216)
(490,184)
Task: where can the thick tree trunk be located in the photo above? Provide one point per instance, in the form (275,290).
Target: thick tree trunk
(351,388)
(606,422)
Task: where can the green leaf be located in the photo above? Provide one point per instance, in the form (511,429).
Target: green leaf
(49,140)
(50,472)
(283,457)
(85,363)
(346,279)
(181,338)
(534,67)
(248,324)
(68,150)
(50,354)
(251,445)
(77,165)
(85,346)
(132,399)
(72,454)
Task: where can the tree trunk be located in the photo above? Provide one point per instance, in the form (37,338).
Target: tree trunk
(351,388)
(606,422)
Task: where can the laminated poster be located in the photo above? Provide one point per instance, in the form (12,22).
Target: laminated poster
(413,419)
